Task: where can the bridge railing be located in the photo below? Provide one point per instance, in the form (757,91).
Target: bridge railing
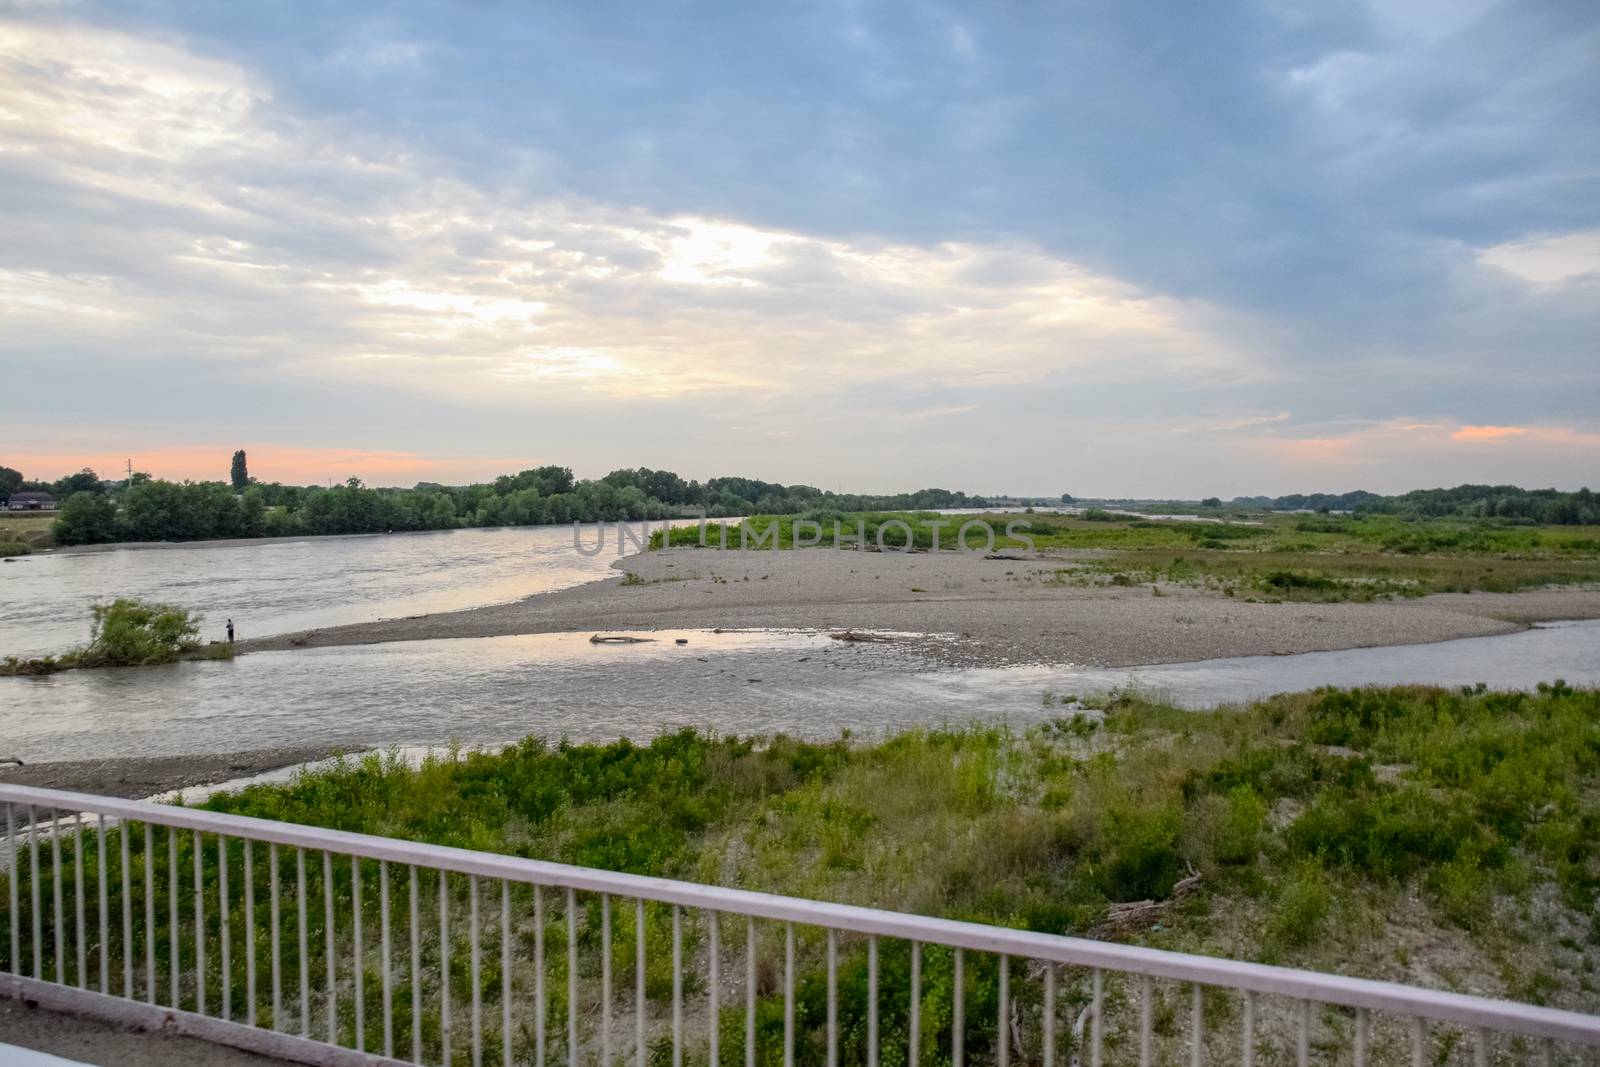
(328,947)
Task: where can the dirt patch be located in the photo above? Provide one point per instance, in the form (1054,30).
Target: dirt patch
(137,777)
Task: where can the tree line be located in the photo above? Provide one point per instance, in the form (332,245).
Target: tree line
(1544,507)
(143,508)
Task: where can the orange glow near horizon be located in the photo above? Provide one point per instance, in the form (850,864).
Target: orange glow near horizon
(1487,433)
(289,464)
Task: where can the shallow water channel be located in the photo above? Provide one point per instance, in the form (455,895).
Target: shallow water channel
(485,691)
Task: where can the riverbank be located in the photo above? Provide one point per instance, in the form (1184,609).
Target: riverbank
(137,777)
(1000,611)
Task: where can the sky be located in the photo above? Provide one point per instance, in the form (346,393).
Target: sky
(1111,249)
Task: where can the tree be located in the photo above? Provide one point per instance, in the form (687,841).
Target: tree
(86,519)
(85,481)
(10,482)
(1211,502)
(241,474)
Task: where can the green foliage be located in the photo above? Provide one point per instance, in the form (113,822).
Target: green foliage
(127,633)
(239,474)
(130,633)
(10,482)
(84,481)
(86,518)
(1300,913)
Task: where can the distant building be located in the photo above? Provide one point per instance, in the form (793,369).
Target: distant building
(31,501)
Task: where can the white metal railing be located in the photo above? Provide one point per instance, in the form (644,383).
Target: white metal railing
(262,935)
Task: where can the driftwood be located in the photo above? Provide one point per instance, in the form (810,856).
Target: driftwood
(1121,918)
(618,639)
(856,635)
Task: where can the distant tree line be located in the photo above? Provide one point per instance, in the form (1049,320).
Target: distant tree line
(12,481)
(1546,507)
(150,509)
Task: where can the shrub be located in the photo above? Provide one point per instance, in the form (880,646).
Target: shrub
(1238,832)
(1290,581)
(1143,861)
(1301,912)
(130,633)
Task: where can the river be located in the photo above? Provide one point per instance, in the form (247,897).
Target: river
(489,690)
(283,586)
(485,691)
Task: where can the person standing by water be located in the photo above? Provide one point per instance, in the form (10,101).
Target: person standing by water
(230,631)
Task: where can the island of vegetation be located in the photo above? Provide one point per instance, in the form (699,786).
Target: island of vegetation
(128,633)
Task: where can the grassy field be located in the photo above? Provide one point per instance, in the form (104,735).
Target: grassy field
(22,532)
(1445,837)
(1285,557)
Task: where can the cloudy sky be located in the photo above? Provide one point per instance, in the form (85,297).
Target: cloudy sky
(1104,248)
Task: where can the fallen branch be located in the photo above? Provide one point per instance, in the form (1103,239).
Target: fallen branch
(1120,918)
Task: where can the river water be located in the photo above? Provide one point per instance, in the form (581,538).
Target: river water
(485,691)
(280,587)
(490,690)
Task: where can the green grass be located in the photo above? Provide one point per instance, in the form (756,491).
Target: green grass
(1276,557)
(1457,830)
(22,532)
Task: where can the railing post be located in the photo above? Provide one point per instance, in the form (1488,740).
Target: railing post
(444,968)
(223,945)
(330,947)
(249,929)
(199,923)
(384,958)
(104,905)
(275,914)
(305,949)
(713,987)
(505,966)
(914,1009)
(477,980)
(539,1009)
(1003,1023)
(677,986)
(958,1005)
(13,913)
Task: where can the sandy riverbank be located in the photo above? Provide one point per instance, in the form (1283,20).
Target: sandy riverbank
(136,777)
(1004,611)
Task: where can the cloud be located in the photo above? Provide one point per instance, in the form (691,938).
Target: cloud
(1549,260)
(1488,433)
(1150,248)
(331,267)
